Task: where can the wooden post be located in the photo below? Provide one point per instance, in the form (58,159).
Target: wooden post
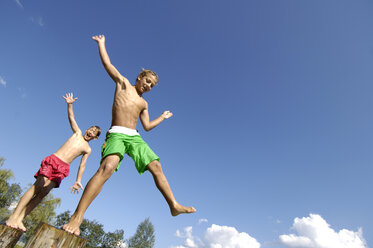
(47,236)
(9,236)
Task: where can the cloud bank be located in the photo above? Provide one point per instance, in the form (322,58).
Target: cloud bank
(309,232)
(217,237)
(228,237)
(315,232)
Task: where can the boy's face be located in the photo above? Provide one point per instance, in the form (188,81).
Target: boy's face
(90,134)
(146,83)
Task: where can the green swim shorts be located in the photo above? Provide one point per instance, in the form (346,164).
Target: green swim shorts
(134,146)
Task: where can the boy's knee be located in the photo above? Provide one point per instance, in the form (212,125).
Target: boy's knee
(107,168)
(155,167)
(45,190)
(109,164)
(43,186)
(39,186)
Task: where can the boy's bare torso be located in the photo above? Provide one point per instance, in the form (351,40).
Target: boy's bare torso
(75,146)
(127,105)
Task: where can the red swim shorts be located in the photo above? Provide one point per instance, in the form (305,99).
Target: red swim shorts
(54,169)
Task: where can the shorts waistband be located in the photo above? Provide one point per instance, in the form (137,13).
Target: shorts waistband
(60,160)
(123,130)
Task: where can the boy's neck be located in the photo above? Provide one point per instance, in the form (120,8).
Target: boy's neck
(137,90)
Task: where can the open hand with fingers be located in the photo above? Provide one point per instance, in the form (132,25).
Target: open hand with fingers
(99,38)
(75,187)
(69,98)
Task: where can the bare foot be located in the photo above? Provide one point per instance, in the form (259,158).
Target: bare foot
(15,224)
(73,226)
(179,209)
(21,226)
(12,223)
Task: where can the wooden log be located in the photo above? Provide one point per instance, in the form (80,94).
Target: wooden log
(47,236)
(9,236)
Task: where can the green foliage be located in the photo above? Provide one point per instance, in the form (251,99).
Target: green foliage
(9,193)
(93,232)
(114,239)
(62,219)
(144,236)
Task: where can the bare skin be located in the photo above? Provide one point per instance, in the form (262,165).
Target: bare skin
(29,201)
(128,107)
(75,146)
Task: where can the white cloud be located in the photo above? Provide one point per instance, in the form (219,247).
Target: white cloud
(190,243)
(228,237)
(38,21)
(217,237)
(2,82)
(122,244)
(18,2)
(202,220)
(178,234)
(189,239)
(315,232)
(187,232)
(12,206)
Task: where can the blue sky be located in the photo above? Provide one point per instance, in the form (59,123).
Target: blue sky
(272,132)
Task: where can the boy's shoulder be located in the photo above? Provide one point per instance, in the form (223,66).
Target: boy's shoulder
(123,82)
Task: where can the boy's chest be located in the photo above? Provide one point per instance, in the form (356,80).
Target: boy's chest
(130,98)
(78,143)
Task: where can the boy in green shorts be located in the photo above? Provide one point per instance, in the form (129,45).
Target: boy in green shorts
(122,137)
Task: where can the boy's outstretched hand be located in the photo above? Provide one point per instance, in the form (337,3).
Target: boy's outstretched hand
(75,187)
(69,98)
(99,38)
(167,114)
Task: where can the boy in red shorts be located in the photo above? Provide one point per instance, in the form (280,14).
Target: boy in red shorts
(55,167)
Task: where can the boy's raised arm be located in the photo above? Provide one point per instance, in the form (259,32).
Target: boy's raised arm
(110,69)
(70,113)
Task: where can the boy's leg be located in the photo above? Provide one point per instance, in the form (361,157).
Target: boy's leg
(41,193)
(29,201)
(163,186)
(90,192)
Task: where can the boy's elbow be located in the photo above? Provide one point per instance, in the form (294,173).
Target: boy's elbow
(147,128)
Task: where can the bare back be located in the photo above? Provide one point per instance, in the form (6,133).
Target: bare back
(127,105)
(75,146)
